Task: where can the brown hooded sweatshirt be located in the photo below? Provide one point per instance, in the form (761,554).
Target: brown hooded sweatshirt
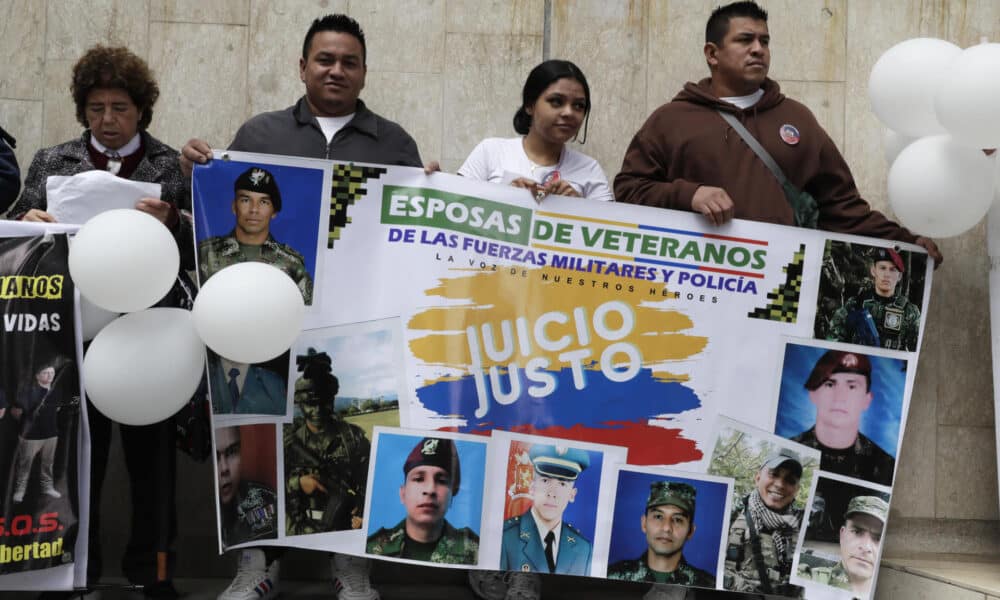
(686,144)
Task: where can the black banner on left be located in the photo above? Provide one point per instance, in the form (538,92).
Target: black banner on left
(39,405)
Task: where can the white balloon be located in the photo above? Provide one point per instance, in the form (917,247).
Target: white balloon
(905,80)
(93,318)
(249,312)
(968,97)
(123,260)
(893,143)
(143,367)
(939,188)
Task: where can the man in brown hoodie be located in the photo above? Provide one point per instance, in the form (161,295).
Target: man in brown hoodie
(686,157)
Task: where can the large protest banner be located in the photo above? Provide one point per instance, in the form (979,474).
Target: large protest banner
(598,343)
(42,447)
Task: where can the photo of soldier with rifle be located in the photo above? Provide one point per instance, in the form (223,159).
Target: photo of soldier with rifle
(326,458)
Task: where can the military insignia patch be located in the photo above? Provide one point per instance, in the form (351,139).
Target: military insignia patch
(893,319)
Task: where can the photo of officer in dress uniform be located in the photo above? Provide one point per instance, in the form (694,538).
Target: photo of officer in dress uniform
(256,202)
(432,476)
(540,540)
(884,311)
(248,510)
(840,388)
(859,543)
(668,524)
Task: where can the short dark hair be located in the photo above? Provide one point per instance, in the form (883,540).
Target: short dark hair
(540,78)
(106,67)
(718,24)
(340,24)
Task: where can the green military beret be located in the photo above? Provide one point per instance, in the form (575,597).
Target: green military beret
(558,462)
(261,181)
(678,494)
(869,505)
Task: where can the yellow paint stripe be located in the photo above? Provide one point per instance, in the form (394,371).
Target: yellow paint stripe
(588,219)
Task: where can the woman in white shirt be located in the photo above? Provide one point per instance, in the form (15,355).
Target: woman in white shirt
(555,104)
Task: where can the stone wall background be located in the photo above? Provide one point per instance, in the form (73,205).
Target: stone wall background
(450,71)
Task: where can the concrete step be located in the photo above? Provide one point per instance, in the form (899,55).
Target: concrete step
(939,576)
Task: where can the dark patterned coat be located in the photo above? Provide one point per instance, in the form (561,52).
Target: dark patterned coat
(159,165)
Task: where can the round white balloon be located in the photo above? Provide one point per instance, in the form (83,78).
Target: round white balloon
(123,260)
(893,143)
(969,95)
(93,318)
(905,80)
(144,366)
(249,312)
(939,188)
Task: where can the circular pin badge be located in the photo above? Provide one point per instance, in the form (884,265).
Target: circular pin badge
(789,134)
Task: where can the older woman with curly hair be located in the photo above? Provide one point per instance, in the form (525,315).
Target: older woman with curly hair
(114,91)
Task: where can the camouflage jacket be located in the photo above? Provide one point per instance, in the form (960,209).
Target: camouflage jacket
(217,253)
(252,515)
(896,320)
(638,570)
(338,456)
(741,572)
(834,576)
(864,460)
(455,547)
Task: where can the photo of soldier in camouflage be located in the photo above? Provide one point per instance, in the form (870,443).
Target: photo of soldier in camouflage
(870,296)
(772,483)
(326,458)
(256,202)
(668,524)
(432,476)
(248,507)
(847,405)
(844,536)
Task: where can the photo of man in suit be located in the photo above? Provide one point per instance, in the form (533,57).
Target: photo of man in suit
(539,540)
(241,388)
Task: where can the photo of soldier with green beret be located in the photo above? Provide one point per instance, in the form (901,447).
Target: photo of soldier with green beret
(847,557)
(871,296)
(432,477)
(256,202)
(667,524)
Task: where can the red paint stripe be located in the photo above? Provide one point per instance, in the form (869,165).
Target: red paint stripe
(731,272)
(727,238)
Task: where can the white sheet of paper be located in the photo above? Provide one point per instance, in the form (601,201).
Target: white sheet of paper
(75,199)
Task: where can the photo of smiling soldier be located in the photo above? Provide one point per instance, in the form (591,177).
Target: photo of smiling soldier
(432,476)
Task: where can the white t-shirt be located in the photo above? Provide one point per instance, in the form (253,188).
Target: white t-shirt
(495,157)
(331,125)
(745,102)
